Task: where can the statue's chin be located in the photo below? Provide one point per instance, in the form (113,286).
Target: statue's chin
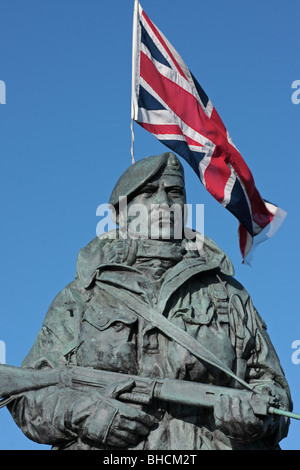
(153,236)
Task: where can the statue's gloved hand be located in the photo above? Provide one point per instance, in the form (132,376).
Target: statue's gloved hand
(236,418)
(115,423)
(129,427)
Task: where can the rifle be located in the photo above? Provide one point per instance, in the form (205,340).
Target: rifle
(16,381)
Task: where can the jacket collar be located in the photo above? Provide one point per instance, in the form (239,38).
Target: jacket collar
(94,258)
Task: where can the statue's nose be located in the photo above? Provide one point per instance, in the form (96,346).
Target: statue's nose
(162,197)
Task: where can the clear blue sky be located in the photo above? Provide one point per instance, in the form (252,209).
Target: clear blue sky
(65,140)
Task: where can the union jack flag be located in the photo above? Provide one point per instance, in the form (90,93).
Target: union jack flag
(168,102)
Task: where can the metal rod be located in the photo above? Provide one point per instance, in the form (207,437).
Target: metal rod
(289,414)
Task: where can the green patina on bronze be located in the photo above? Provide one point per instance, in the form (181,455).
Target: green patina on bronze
(155,310)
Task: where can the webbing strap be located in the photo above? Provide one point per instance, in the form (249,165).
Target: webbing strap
(171,330)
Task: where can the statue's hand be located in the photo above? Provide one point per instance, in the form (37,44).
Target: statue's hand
(237,420)
(115,423)
(129,427)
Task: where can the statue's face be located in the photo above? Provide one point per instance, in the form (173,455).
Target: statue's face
(157,211)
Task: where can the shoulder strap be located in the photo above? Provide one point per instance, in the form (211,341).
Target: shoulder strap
(171,330)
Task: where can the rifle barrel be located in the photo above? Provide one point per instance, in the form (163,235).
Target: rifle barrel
(278,411)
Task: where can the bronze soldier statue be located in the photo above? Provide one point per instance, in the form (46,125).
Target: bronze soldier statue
(157,309)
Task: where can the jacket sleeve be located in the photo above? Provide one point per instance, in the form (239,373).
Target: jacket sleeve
(54,415)
(262,367)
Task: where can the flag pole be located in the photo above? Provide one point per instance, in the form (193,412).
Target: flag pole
(132,142)
(135,56)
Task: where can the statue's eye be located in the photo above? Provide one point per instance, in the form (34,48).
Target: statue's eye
(175,192)
(149,191)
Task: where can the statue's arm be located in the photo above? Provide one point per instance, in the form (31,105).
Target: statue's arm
(53,414)
(258,364)
(262,365)
(264,371)
(56,415)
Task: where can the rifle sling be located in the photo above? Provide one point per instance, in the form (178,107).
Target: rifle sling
(169,329)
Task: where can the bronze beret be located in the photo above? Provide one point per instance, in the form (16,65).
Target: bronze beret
(137,175)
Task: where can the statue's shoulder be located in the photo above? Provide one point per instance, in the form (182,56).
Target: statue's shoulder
(225,280)
(198,244)
(89,258)
(70,299)
(103,251)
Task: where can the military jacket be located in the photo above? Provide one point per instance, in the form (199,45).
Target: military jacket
(89,325)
